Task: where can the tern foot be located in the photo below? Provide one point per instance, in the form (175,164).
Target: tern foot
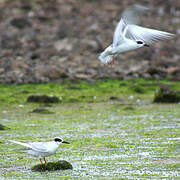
(112,62)
(45,162)
(147,45)
(41,161)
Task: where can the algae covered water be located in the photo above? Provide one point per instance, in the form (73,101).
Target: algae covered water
(114,129)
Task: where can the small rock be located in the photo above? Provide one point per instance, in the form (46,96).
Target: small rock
(90,45)
(20,23)
(81,76)
(128,108)
(10,42)
(155,71)
(3,127)
(55,73)
(63,44)
(41,111)
(166,95)
(1,70)
(138,100)
(131,97)
(137,89)
(65,29)
(114,98)
(53,166)
(40,98)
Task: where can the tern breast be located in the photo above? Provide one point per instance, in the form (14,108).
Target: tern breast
(127,45)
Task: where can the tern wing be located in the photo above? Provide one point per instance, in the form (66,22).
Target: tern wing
(36,146)
(148,36)
(20,143)
(130,16)
(39,146)
(118,33)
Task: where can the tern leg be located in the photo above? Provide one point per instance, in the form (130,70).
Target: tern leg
(112,62)
(40,161)
(45,160)
(147,45)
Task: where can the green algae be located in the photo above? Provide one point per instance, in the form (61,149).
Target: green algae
(129,138)
(52,166)
(41,110)
(2,127)
(100,91)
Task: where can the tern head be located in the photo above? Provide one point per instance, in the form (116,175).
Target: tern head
(59,140)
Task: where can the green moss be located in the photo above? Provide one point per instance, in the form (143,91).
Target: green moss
(137,89)
(42,98)
(53,166)
(41,111)
(81,91)
(166,95)
(2,127)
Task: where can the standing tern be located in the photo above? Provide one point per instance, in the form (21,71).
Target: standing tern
(129,36)
(42,149)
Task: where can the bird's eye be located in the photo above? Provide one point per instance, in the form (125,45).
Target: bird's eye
(139,42)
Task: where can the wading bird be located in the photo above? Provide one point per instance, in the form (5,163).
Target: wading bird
(42,149)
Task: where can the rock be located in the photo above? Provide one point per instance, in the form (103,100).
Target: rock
(40,98)
(64,44)
(3,127)
(10,42)
(137,89)
(20,22)
(53,166)
(166,95)
(156,71)
(90,45)
(1,70)
(128,108)
(41,111)
(114,98)
(54,73)
(19,64)
(64,30)
(81,76)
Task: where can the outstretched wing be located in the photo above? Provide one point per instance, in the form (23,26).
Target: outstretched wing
(130,16)
(148,36)
(118,33)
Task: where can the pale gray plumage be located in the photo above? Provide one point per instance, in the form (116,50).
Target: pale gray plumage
(41,149)
(129,36)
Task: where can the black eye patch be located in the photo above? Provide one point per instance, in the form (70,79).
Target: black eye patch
(58,140)
(139,42)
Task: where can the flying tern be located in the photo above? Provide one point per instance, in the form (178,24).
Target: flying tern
(129,36)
